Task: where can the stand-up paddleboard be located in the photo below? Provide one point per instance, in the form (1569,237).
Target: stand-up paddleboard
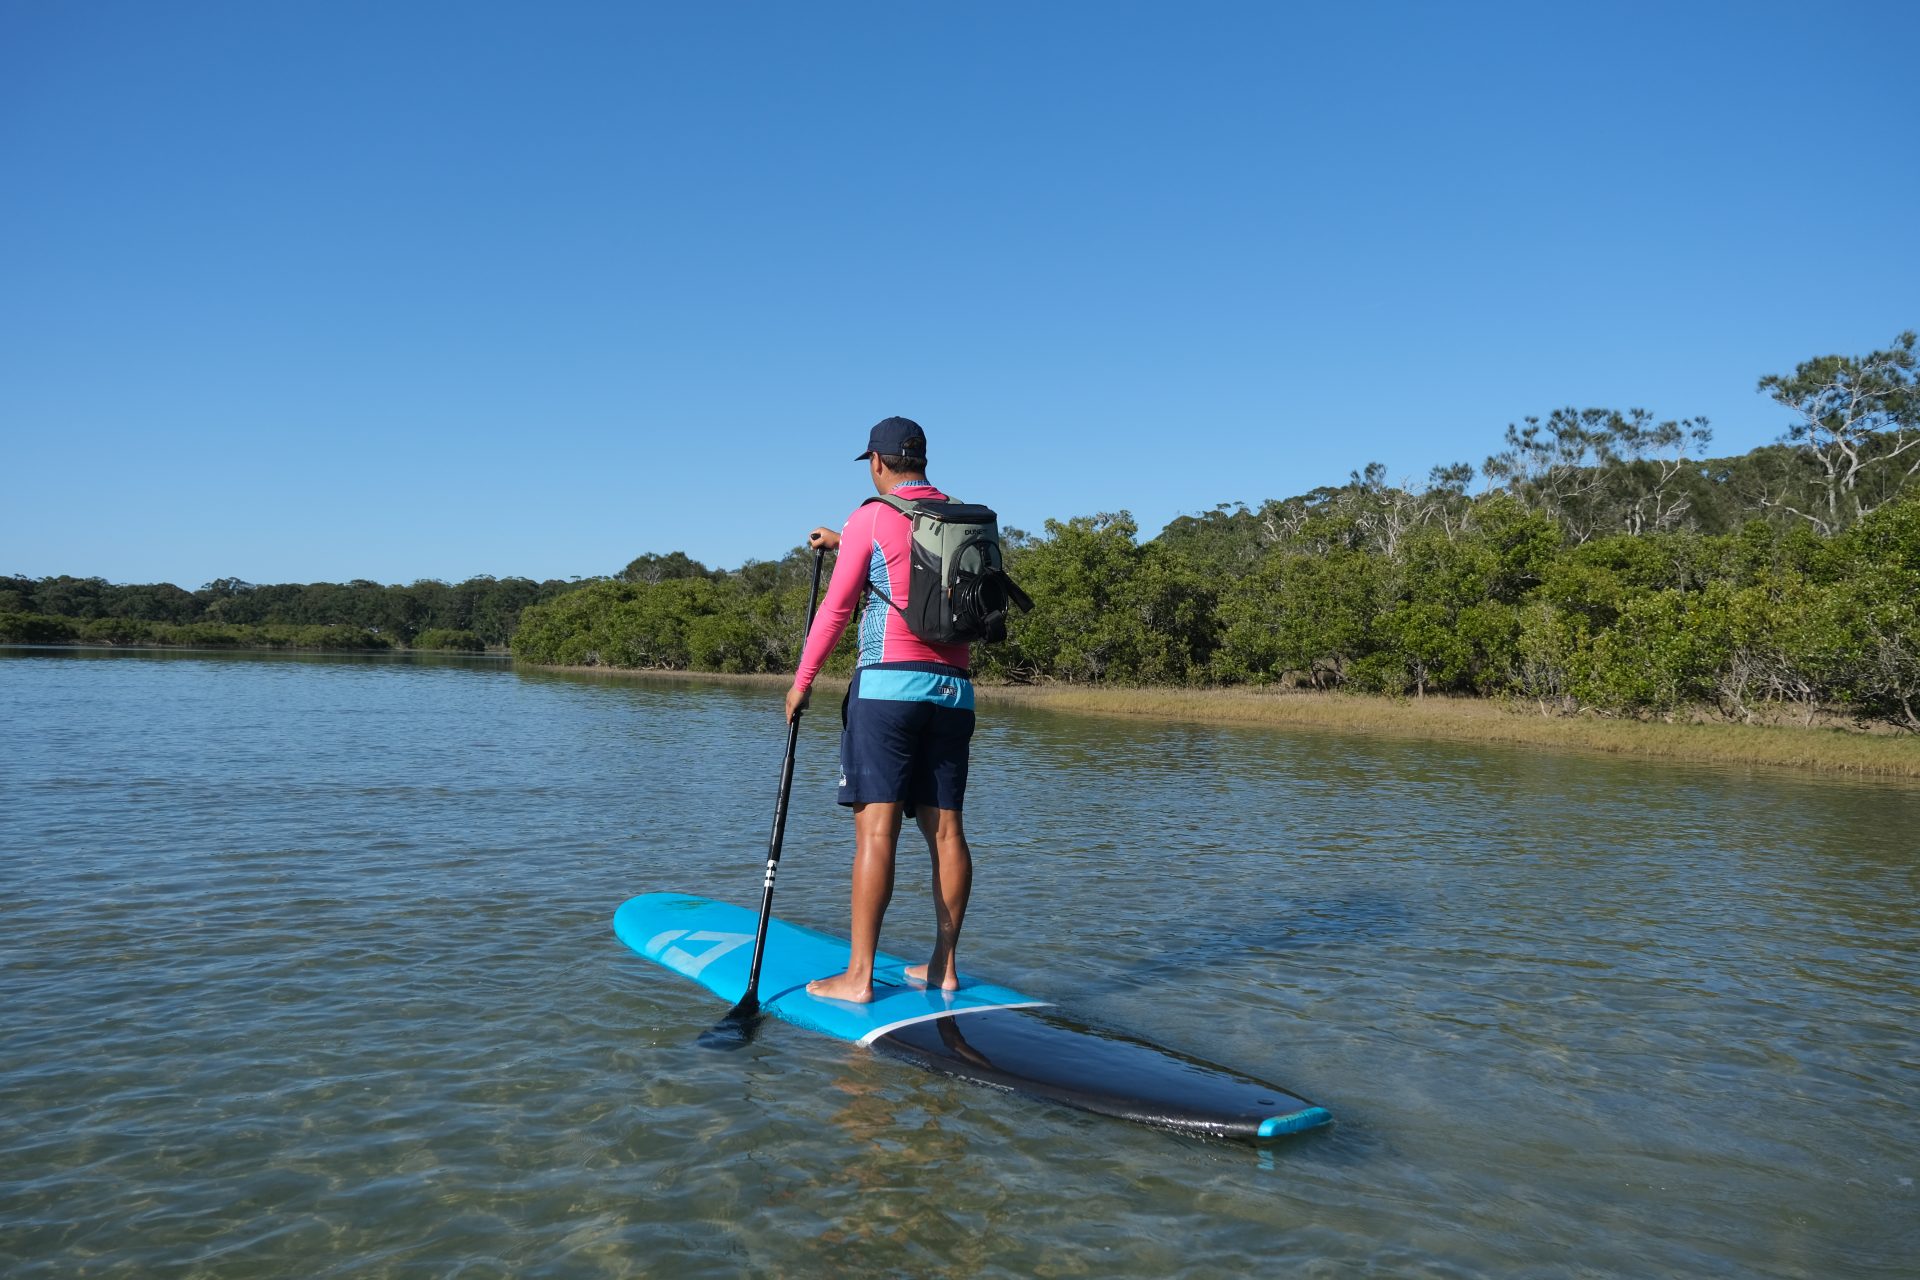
(980,1032)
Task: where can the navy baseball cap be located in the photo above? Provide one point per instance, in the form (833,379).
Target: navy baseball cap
(897,437)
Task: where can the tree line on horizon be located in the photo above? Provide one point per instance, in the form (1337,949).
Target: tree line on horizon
(1603,565)
(480,613)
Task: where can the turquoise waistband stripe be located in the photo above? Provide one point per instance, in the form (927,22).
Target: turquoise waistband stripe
(917,686)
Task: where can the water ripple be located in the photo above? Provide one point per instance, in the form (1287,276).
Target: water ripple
(308,971)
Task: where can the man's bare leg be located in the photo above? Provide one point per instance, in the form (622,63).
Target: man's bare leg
(952,883)
(876,833)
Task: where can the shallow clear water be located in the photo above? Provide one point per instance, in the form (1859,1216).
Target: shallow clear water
(306,969)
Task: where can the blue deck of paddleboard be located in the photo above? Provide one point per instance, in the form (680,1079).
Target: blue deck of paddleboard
(712,943)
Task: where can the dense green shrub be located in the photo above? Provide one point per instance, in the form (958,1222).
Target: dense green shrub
(121,631)
(1875,588)
(488,607)
(1105,607)
(36,628)
(743,622)
(16,628)
(448,639)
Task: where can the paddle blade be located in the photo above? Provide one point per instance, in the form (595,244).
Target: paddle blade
(735,1031)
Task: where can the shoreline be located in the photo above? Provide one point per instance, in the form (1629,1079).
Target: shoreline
(245,650)
(1822,749)
(1817,749)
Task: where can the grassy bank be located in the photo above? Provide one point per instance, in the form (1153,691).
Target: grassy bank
(1821,748)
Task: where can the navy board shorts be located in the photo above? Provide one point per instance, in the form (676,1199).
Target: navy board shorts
(905,727)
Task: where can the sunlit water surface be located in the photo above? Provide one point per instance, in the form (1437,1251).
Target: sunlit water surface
(306,969)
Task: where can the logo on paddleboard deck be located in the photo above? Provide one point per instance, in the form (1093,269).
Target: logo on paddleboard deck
(660,947)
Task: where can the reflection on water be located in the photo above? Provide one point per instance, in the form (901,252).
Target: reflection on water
(307,970)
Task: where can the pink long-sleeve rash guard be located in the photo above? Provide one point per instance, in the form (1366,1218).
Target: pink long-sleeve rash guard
(874,546)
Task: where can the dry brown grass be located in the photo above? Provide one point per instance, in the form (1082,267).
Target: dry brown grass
(699,677)
(1825,749)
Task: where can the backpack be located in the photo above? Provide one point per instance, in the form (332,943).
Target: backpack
(957,588)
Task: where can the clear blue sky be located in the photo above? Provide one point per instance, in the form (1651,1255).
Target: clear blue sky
(303,291)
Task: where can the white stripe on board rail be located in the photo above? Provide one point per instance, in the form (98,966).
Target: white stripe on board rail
(877,1032)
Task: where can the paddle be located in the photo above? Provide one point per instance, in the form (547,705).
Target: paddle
(736,1029)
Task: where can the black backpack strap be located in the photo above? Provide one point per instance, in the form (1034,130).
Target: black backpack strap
(1015,594)
(911,507)
(905,508)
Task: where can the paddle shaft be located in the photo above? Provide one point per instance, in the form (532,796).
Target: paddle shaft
(752,998)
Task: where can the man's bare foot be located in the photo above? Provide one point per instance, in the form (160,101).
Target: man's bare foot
(843,986)
(949,980)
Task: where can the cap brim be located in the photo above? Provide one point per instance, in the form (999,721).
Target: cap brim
(862,457)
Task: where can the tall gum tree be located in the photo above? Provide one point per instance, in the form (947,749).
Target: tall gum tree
(1859,419)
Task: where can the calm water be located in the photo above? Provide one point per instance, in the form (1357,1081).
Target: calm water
(306,969)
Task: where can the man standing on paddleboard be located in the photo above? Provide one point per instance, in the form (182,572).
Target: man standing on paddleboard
(908,717)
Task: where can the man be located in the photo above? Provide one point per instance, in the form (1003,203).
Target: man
(908,718)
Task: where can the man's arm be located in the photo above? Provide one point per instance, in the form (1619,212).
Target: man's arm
(836,607)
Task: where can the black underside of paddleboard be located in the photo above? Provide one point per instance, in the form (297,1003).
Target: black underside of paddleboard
(1048,1055)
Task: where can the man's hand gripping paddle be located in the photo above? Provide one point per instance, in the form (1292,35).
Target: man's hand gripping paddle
(736,1029)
